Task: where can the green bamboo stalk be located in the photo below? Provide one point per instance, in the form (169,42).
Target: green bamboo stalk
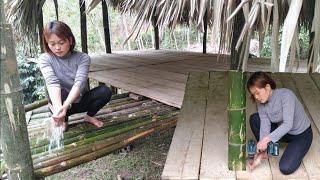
(237,121)
(99,153)
(118,98)
(108,112)
(35,105)
(94,146)
(34,142)
(44,146)
(14,136)
(105,133)
(106,118)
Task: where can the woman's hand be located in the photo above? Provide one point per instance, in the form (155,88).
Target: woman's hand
(263,144)
(257,160)
(59,114)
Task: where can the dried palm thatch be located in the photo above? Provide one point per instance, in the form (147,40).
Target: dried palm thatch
(261,16)
(24,16)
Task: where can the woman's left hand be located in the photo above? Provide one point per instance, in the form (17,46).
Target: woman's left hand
(263,144)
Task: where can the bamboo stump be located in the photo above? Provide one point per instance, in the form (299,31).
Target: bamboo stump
(237,121)
(14,136)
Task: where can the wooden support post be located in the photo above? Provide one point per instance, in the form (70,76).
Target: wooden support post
(14,136)
(156,33)
(205,26)
(56,9)
(237,121)
(83,25)
(106,29)
(106,26)
(310,60)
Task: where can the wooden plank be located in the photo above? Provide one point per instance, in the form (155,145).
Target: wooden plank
(151,79)
(214,160)
(263,171)
(183,160)
(137,81)
(168,96)
(304,88)
(316,79)
(310,95)
(147,71)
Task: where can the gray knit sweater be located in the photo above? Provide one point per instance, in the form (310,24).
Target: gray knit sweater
(65,72)
(285,109)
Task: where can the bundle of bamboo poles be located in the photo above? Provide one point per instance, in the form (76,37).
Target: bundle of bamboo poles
(125,120)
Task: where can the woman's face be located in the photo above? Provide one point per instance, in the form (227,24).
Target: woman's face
(261,94)
(59,47)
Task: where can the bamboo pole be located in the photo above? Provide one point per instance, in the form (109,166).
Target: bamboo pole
(94,146)
(104,115)
(156,31)
(108,119)
(14,137)
(236,121)
(76,136)
(112,132)
(35,105)
(106,26)
(99,153)
(116,100)
(205,26)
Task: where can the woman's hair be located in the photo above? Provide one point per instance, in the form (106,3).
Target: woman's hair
(260,80)
(60,29)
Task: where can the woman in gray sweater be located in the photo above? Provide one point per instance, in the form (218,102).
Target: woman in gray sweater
(65,72)
(280,117)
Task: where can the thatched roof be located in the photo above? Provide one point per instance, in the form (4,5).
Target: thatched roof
(259,15)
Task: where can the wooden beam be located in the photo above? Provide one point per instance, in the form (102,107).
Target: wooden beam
(83,23)
(106,26)
(205,26)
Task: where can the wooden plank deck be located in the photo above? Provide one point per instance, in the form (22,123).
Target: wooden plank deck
(161,74)
(212,121)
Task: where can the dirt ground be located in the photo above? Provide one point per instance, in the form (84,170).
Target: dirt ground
(145,161)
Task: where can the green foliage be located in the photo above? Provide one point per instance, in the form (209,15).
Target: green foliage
(303,44)
(30,78)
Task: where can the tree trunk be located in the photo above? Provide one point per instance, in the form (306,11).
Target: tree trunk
(14,136)
(237,121)
(235,58)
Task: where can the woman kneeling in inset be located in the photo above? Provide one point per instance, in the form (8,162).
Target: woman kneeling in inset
(280,117)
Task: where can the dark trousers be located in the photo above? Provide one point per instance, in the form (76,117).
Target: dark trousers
(298,145)
(91,102)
